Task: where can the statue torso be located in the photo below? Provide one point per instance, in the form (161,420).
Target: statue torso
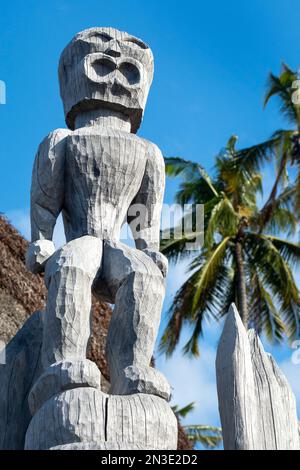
(104,171)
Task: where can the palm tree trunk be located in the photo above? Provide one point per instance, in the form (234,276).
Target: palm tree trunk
(241,281)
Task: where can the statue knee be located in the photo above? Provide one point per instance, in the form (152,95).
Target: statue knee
(149,275)
(124,265)
(82,255)
(143,283)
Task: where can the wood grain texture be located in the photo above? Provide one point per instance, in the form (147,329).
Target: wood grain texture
(22,293)
(107,67)
(87,418)
(278,423)
(236,386)
(257,406)
(29,290)
(17,376)
(98,175)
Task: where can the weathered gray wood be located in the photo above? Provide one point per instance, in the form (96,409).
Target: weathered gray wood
(275,401)
(63,376)
(236,386)
(99,174)
(86,418)
(257,406)
(102,66)
(17,376)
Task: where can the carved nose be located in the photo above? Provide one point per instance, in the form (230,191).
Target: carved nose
(113,50)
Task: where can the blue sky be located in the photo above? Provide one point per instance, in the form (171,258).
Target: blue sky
(211,64)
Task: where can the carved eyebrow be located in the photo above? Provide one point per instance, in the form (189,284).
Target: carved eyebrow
(104,36)
(137,42)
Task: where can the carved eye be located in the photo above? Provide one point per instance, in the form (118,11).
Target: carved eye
(136,42)
(130,72)
(103,67)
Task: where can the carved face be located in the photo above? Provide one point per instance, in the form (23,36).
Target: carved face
(105,67)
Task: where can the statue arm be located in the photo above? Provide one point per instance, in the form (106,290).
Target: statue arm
(145,210)
(46,199)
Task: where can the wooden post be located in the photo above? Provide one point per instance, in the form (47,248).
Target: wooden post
(257,406)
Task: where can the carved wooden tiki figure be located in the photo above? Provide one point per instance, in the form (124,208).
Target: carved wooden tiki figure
(99,174)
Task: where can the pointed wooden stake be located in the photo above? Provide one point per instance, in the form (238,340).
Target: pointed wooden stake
(257,406)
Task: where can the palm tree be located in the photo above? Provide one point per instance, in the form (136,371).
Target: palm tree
(284,144)
(209,437)
(243,259)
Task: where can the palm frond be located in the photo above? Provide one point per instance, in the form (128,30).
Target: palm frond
(262,311)
(231,212)
(282,87)
(176,166)
(276,277)
(210,306)
(208,272)
(230,146)
(289,251)
(194,191)
(297,194)
(183,412)
(281,220)
(179,314)
(209,437)
(175,248)
(270,213)
(252,158)
(188,170)
(286,198)
(223,219)
(210,303)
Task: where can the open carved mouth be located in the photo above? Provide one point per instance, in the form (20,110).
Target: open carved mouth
(127,71)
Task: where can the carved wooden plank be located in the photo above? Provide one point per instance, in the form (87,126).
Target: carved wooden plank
(257,406)
(17,376)
(86,418)
(236,388)
(275,400)
(98,174)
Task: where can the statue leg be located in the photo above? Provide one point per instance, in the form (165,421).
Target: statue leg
(69,275)
(138,289)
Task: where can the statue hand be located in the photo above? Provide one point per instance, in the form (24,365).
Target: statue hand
(37,254)
(159,259)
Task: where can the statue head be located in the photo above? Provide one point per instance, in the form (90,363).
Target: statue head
(105,68)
